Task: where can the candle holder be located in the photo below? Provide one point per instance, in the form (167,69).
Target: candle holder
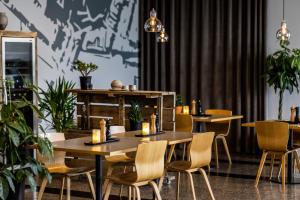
(96,136)
(145,128)
(186,110)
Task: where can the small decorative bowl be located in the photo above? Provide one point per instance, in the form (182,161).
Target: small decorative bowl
(116,85)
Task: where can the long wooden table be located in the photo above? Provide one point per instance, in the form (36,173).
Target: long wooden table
(128,143)
(216,118)
(290,171)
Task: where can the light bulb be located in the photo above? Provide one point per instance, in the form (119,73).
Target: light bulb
(163,37)
(283,33)
(152,24)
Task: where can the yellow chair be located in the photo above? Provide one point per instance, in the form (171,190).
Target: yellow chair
(272,138)
(149,164)
(200,156)
(221,130)
(184,123)
(56,166)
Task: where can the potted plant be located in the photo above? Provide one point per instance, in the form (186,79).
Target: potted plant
(16,140)
(283,71)
(57,104)
(179,104)
(135,116)
(85,69)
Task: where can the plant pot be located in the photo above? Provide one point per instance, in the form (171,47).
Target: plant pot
(19,193)
(178,109)
(3,21)
(135,125)
(86,82)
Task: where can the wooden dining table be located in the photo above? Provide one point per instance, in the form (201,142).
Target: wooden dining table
(290,170)
(128,143)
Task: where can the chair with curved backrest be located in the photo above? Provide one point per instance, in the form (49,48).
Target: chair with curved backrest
(149,164)
(272,138)
(200,156)
(57,166)
(221,130)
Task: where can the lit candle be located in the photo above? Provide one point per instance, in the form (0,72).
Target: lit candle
(186,110)
(145,128)
(96,136)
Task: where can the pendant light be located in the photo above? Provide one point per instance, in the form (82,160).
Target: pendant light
(283,33)
(152,24)
(162,37)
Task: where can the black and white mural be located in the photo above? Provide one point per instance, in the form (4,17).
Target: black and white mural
(101,31)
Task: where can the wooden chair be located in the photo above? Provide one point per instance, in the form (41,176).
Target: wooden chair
(56,166)
(272,138)
(221,130)
(184,123)
(149,163)
(200,154)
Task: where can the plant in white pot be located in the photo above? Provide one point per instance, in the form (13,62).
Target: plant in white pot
(84,69)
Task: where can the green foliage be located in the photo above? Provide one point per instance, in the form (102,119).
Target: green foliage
(134,113)
(15,138)
(58,104)
(179,100)
(84,68)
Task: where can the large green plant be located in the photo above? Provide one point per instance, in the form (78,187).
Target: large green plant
(134,113)
(58,104)
(84,68)
(283,71)
(16,137)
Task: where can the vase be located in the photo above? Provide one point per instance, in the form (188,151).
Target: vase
(3,21)
(86,82)
(134,126)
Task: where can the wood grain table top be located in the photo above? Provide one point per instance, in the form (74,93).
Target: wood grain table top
(216,118)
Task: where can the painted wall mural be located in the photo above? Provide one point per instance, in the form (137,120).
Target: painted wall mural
(76,29)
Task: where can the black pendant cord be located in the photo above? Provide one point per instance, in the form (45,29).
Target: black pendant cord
(283,10)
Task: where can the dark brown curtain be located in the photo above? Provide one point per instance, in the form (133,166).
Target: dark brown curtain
(216,53)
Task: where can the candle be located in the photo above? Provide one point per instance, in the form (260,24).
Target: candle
(145,128)
(96,136)
(186,110)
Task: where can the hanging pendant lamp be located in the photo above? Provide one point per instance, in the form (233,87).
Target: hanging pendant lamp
(152,24)
(162,37)
(283,33)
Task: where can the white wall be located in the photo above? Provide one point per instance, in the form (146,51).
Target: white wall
(103,32)
(274,16)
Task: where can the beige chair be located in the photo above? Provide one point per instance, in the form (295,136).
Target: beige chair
(221,130)
(200,156)
(184,123)
(56,166)
(272,138)
(149,164)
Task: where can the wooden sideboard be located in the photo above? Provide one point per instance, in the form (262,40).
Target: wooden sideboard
(96,104)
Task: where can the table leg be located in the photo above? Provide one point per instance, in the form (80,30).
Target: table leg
(98,177)
(290,170)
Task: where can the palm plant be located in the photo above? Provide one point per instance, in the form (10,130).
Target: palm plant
(58,104)
(135,116)
(283,71)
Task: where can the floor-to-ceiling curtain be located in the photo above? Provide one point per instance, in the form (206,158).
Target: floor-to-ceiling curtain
(215,53)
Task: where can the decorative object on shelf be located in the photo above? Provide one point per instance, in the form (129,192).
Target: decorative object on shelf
(163,36)
(153,124)
(179,104)
(297,117)
(283,34)
(283,72)
(135,116)
(125,87)
(84,69)
(3,20)
(95,136)
(132,87)
(145,128)
(58,104)
(293,114)
(193,110)
(116,85)
(186,110)
(102,130)
(153,24)
(199,108)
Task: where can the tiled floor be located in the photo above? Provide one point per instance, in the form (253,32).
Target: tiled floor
(235,182)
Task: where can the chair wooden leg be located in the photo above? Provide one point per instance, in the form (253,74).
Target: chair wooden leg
(171,151)
(283,172)
(192,184)
(121,187)
(129,192)
(183,152)
(156,191)
(161,181)
(138,193)
(42,188)
(177,188)
(261,166)
(296,156)
(216,152)
(272,166)
(68,188)
(227,150)
(108,189)
(207,183)
(62,188)
(108,173)
(91,185)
